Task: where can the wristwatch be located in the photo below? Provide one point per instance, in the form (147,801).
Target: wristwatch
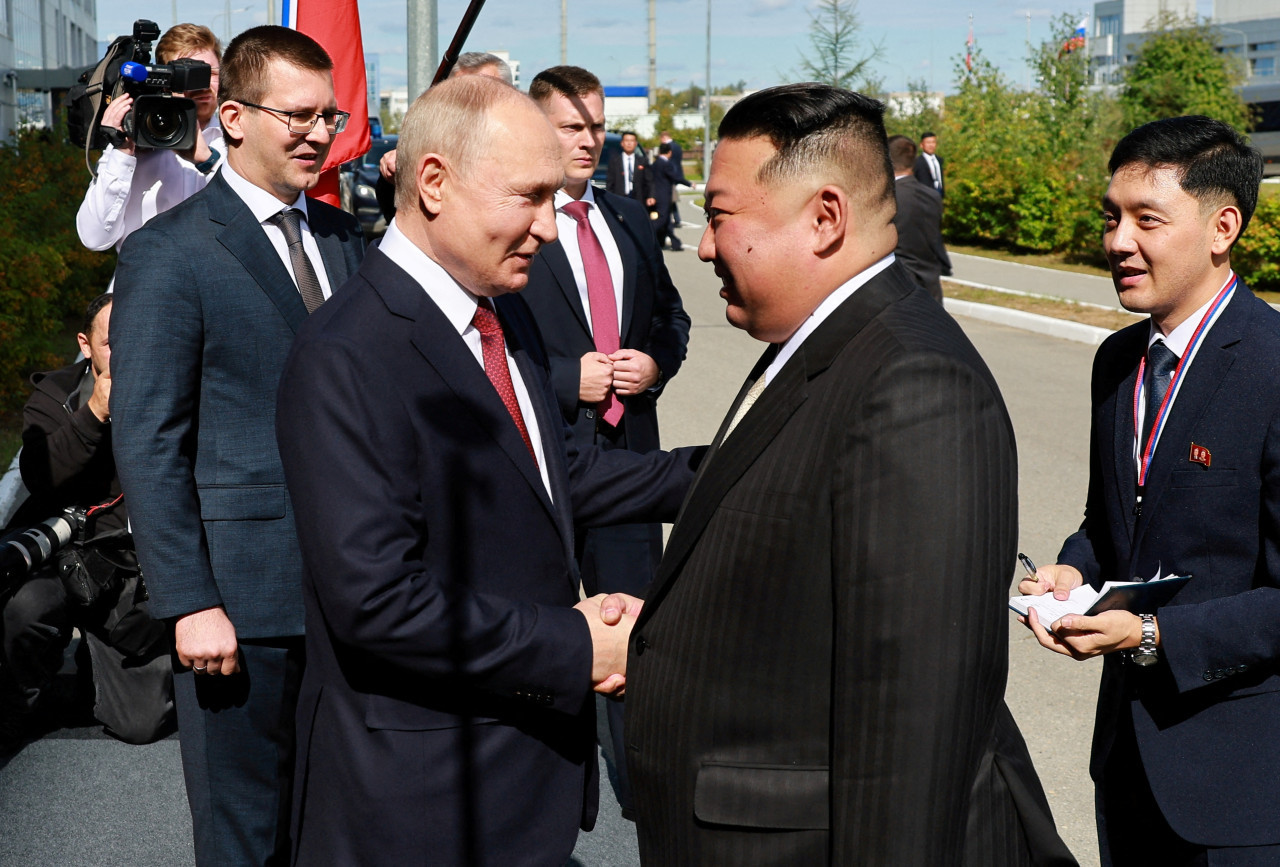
(1145,653)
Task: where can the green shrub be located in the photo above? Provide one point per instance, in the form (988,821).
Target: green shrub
(46,276)
(1256,257)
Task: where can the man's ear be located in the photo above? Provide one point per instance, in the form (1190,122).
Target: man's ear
(231,116)
(83,340)
(1227,221)
(829,211)
(432,173)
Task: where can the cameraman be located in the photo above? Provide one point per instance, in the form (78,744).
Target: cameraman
(133,186)
(66,461)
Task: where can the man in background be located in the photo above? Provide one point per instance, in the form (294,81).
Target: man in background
(133,186)
(628,173)
(918,221)
(928,167)
(677,160)
(614,328)
(208,298)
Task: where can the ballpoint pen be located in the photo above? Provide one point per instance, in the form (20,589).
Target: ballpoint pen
(1028,565)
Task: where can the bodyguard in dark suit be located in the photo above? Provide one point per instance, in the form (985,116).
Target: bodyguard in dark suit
(622,346)
(1184,478)
(208,298)
(447,714)
(666,176)
(918,221)
(628,173)
(928,166)
(677,160)
(817,676)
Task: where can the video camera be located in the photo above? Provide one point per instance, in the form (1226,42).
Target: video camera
(160,118)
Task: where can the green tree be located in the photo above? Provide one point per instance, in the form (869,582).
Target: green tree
(1178,71)
(837,56)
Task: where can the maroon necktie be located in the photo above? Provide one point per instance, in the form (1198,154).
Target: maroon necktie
(604,305)
(494,348)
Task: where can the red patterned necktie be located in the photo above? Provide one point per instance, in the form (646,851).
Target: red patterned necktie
(604,304)
(494,349)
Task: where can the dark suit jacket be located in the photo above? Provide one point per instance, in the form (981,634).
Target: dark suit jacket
(919,221)
(652,320)
(1205,712)
(818,673)
(641,183)
(677,158)
(203,317)
(925,176)
(445,715)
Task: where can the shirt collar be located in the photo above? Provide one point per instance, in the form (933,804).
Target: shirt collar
(563,198)
(455,302)
(261,203)
(1181,336)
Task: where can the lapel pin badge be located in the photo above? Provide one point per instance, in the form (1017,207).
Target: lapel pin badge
(1200,455)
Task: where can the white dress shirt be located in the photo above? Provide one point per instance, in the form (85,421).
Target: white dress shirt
(568,230)
(628,171)
(935,169)
(265,206)
(459,307)
(130,190)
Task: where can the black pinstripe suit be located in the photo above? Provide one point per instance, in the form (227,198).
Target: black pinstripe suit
(818,674)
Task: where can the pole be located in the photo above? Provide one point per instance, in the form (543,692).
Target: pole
(174,12)
(653,51)
(459,39)
(564,32)
(706,111)
(422,38)
(1028,49)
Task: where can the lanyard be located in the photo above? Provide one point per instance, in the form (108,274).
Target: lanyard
(1162,415)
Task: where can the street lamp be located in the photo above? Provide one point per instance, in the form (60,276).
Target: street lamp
(227,14)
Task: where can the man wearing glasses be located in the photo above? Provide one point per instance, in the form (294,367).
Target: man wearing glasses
(208,297)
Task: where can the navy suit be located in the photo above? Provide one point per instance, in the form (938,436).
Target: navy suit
(665,175)
(204,314)
(446,712)
(641,182)
(1202,719)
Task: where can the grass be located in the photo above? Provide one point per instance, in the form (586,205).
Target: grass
(1089,315)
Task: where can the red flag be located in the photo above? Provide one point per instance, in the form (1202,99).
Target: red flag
(335,24)
(968,48)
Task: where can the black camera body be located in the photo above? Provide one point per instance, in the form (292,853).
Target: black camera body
(161,116)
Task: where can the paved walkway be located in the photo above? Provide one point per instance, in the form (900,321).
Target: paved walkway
(1034,280)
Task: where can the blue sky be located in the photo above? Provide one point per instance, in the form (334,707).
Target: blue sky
(757,41)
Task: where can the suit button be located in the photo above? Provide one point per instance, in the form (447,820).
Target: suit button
(642,644)
(591,413)
(1208,675)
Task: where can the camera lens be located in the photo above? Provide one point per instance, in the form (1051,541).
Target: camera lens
(164,126)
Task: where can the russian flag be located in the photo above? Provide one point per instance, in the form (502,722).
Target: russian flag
(335,24)
(1082,29)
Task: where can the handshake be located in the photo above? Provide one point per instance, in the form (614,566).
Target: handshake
(610,619)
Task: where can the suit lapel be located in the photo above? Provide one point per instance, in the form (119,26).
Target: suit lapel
(730,459)
(627,249)
(245,239)
(331,252)
(1204,377)
(1122,443)
(557,262)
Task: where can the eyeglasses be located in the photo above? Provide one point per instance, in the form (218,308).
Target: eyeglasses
(302,122)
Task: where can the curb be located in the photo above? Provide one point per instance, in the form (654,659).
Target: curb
(990,288)
(1047,325)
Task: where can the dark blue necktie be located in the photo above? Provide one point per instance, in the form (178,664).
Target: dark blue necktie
(1161,362)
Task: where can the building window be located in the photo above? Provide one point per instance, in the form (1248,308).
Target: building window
(1264,66)
(1263,46)
(1109,25)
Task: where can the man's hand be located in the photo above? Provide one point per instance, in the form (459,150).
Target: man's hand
(1059,579)
(387,165)
(206,642)
(610,619)
(596,378)
(1084,637)
(100,400)
(114,117)
(633,372)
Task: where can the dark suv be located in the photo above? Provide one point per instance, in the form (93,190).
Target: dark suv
(356,187)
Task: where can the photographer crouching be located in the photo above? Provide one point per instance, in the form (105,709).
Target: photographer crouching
(134,184)
(91,582)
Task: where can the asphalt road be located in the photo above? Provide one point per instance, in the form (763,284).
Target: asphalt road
(76,798)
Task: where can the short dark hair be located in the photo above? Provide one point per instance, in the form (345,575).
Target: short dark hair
(568,81)
(630,132)
(927,135)
(664,148)
(902,152)
(815,124)
(1215,164)
(91,312)
(473,60)
(244,66)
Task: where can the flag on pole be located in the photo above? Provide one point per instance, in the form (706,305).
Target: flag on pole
(335,24)
(968,47)
(1077,40)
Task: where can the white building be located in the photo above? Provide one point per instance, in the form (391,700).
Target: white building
(43,46)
